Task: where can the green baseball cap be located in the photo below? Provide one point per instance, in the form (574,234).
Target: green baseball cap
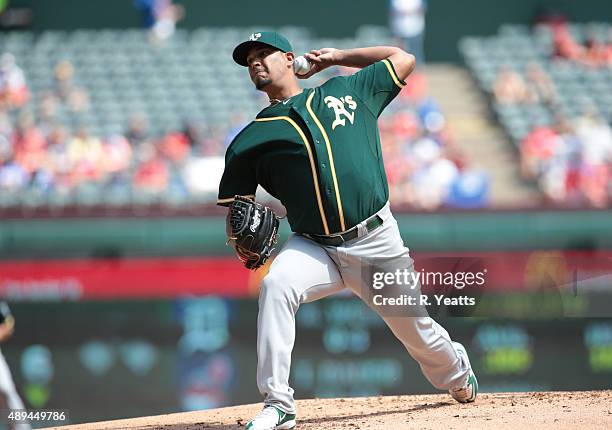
(270,38)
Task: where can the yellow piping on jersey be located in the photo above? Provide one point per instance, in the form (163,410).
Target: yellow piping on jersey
(396,79)
(231,199)
(312,165)
(331,159)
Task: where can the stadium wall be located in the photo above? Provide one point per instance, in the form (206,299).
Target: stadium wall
(441,232)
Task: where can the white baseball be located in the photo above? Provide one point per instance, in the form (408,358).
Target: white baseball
(301,65)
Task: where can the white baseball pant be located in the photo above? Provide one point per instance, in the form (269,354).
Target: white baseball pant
(305,271)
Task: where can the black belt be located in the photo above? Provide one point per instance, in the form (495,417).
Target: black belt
(338,239)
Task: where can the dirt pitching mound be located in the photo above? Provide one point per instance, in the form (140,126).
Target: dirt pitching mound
(550,410)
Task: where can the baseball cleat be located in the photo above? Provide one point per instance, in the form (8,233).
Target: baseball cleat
(467,393)
(271,418)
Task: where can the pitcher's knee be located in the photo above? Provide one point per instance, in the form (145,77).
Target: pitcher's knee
(277,288)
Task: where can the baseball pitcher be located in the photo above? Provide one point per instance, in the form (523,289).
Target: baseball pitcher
(318,151)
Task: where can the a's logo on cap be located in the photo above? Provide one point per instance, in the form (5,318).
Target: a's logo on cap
(255,36)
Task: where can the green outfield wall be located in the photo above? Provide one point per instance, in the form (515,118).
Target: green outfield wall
(131,237)
(447,20)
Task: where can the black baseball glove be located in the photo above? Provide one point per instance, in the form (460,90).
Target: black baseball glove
(253,229)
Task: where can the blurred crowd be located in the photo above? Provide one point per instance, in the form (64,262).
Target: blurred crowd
(50,158)
(510,88)
(570,157)
(14,91)
(40,152)
(593,52)
(425,168)
(159,17)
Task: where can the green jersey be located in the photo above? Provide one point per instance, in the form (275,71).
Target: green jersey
(318,152)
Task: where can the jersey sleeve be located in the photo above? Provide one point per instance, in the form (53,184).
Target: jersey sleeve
(376,84)
(238,179)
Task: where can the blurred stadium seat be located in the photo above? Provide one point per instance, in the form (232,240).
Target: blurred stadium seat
(97,81)
(535,82)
